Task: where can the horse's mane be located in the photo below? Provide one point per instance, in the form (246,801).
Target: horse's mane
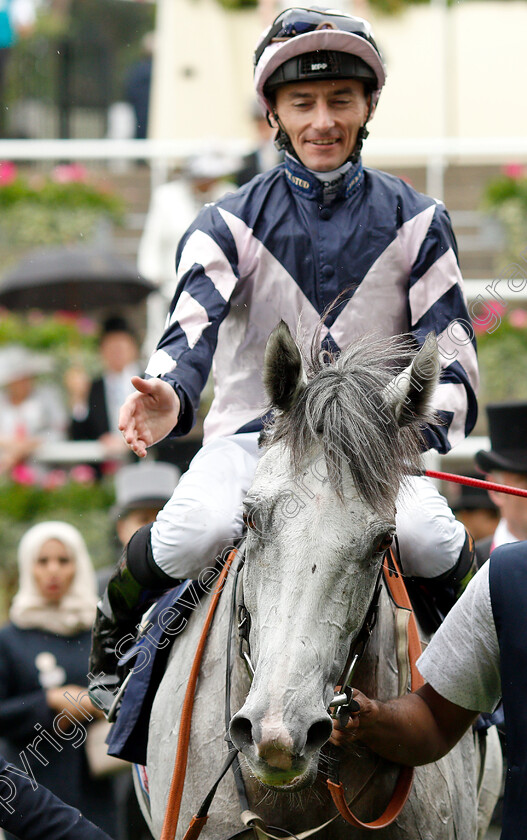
(343,408)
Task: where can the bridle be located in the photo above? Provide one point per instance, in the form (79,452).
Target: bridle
(342,702)
(342,697)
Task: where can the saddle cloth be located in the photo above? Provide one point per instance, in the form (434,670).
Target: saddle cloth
(128,737)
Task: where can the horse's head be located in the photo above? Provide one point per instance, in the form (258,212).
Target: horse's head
(320,514)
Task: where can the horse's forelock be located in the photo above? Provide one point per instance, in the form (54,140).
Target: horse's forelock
(343,408)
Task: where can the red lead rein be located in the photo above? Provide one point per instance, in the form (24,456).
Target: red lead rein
(476,482)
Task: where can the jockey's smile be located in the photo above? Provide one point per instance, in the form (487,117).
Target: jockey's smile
(322,120)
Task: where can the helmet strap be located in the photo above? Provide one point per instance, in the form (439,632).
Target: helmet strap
(281,141)
(362,134)
(361,137)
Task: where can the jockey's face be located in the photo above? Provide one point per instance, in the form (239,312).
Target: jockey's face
(322,120)
(513,509)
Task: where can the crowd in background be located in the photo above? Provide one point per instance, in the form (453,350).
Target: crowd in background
(45,643)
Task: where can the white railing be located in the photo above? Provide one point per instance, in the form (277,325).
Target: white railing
(436,153)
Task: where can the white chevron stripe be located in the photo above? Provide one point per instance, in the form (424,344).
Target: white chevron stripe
(267,294)
(274,292)
(454,396)
(202,249)
(192,318)
(160,363)
(455,345)
(439,278)
(381,297)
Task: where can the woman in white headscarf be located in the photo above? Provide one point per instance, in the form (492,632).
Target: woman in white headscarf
(44,709)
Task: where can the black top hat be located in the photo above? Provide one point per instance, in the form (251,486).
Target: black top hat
(508,438)
(116,324)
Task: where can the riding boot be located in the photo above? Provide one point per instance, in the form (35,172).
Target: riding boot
(433,598)
(133,587)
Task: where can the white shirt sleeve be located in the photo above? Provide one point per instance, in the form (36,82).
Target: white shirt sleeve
(462,662)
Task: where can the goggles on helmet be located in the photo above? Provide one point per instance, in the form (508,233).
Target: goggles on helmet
(297,32)
(300,21)
(316,44)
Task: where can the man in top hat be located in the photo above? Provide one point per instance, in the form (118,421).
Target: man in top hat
(506,463)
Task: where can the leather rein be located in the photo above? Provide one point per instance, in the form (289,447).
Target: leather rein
(342,701)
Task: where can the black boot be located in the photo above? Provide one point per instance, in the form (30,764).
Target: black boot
(433,598)
(134,586)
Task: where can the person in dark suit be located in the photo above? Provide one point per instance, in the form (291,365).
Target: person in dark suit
(95,406)
(505,463)
(31,812)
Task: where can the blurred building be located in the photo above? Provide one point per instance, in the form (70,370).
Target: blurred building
(451,71)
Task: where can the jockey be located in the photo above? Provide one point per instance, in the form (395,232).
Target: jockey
(316,229)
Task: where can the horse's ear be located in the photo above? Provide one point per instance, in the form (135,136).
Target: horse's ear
(283,374)
(410,392)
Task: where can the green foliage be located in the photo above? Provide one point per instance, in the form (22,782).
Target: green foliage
(505,197)
(505,188)
(503,356)
(72,339)
(113,27)
(63,208)
(60,331)
(52,195)
(28,502)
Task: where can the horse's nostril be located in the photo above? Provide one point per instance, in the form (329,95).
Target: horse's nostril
(241,732)
(319,732)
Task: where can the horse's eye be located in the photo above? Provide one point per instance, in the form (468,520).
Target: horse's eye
(384,543)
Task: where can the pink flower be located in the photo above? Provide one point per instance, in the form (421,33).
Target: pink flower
(514,170)
(486,316)
(68,173)
(66,317)
(35,317)
(87,326)
(8,172)
(23,474)
(518,319)
(110,467)
(54,479)
(83,474)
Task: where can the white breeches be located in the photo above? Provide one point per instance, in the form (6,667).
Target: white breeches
(204,515)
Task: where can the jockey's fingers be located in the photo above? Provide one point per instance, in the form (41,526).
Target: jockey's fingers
(142,385)
(139,449)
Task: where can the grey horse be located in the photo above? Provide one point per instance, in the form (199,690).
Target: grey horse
(319,516)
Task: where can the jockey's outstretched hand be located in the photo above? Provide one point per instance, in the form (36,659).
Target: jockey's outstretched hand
(148,415)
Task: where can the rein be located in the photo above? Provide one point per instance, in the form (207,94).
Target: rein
(395,584)
(397,590)
(180,766)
